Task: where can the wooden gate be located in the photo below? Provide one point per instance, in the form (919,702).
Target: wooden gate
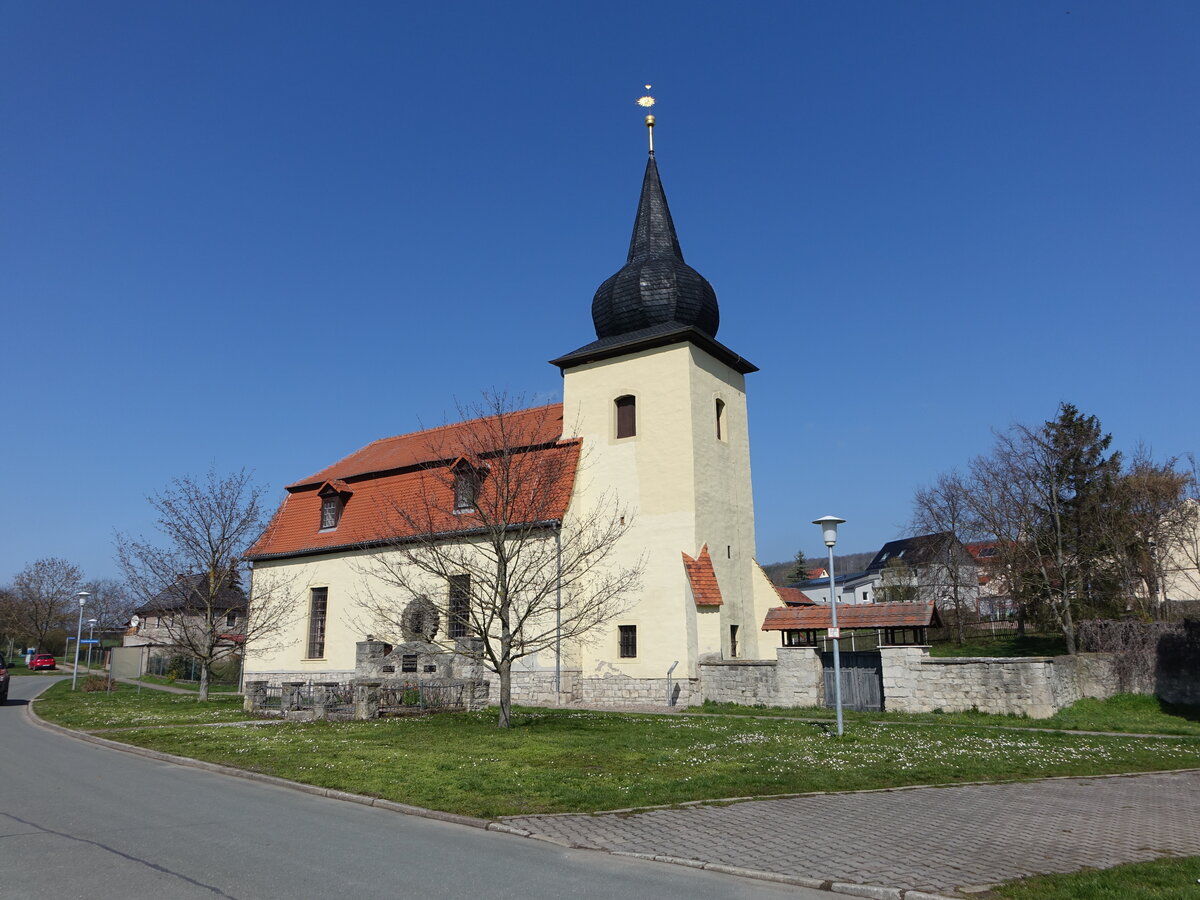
(862,679)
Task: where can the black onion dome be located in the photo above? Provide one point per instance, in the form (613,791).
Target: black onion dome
(655,286)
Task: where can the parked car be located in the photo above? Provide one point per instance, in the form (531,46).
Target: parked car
(3,681)
(42,661)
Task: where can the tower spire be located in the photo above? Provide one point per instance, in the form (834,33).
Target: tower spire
(646,102)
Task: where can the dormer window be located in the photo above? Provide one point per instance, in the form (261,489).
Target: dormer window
(626,416)
(331,511)
(333,501)
(467,480)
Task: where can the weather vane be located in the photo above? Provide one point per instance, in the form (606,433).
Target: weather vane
(646,102)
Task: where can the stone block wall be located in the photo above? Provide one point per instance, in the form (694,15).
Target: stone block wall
(1034,686)
(793,678)
(622,690)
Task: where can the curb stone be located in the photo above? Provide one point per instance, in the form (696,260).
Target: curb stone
(855,890)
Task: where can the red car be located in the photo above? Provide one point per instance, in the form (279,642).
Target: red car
(42,661)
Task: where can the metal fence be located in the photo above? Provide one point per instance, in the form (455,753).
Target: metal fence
(186,668)
(416,696)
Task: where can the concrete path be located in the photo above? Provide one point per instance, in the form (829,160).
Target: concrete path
(938,840)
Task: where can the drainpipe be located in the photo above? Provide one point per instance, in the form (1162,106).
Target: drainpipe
(670,693)
(558,614)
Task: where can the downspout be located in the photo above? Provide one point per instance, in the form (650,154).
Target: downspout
(558,614)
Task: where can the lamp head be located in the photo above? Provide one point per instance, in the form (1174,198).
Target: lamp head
(82,595)
(829,525)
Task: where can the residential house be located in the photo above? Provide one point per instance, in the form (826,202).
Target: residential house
(169,621)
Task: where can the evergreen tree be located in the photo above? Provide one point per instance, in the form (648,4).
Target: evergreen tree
(799,569)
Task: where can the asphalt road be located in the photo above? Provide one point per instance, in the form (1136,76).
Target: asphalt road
(79,820)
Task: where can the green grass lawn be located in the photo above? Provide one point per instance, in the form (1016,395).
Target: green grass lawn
(1163,879)
(1004,644)
(1129,713)
(570,760)
(189,685)
(126,708)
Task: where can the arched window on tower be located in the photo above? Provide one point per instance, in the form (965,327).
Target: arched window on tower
(721,420)
(626,416)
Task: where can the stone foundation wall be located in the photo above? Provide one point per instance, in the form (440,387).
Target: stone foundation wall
(620,690)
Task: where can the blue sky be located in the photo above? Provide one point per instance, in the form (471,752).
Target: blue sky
(265,234)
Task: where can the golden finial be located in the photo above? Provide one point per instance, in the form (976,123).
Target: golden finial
(646,102)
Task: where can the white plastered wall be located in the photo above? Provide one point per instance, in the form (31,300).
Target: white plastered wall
(684,488)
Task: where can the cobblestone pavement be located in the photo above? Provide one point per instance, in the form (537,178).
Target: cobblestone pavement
(927,839)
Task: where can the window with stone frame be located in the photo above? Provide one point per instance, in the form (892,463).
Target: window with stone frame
(626,408)
(720,411)
(627,641)
(318,609)
(459,606)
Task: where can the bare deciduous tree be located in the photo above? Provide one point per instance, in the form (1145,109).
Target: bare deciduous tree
(194,576)
(43,599)
(110,603)
(944,509)
(485,541)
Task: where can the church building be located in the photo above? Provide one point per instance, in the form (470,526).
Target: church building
(656,406)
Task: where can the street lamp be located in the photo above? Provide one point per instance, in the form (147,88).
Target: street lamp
(829,526)
(91,640)
(82,595)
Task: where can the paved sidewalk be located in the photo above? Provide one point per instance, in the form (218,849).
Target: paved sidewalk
(927,839)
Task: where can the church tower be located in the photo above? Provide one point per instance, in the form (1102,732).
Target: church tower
(660,406)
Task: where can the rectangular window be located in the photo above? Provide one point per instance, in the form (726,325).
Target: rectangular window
(318,607)
(460,606)
(626,416)
(331,511)
(628,640)
(733,630)
(231,619)
(720,420)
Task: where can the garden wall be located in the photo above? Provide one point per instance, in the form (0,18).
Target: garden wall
(1037,687)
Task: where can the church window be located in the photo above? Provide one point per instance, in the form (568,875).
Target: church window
(733,648)
(721,420)
(317,609)
(627,636)
(460,606)
(626,416)
(331,511)
(466,487)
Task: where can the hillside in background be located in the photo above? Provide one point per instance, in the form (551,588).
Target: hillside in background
(844,564)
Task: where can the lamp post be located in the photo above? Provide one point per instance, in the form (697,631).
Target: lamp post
(91,640)
(829,526)
(82,595)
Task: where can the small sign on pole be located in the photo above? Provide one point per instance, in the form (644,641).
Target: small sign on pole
(835,632)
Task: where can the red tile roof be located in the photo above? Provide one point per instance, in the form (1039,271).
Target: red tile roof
(794,596)
(401,487)
(862,615)
(705,590)
(539,425)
